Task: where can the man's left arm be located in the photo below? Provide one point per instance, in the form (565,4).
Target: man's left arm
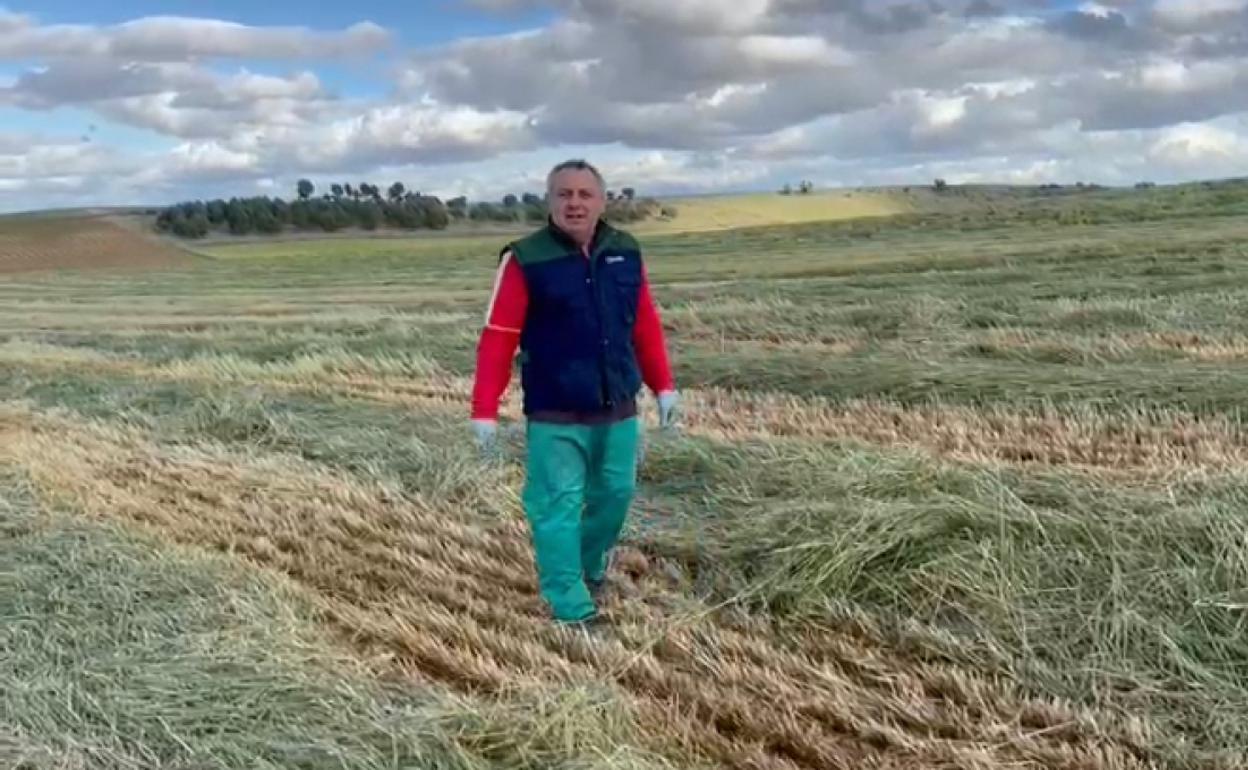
(651,347)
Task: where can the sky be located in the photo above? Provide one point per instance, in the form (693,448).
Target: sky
(137,102)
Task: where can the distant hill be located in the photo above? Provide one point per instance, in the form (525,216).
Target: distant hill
(80,238)
(703,213)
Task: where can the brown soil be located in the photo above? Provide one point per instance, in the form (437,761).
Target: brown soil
(32,243)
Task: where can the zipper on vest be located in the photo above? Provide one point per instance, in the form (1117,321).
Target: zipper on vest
(604,391)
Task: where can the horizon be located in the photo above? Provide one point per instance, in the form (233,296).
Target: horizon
(987,184)
(147,104)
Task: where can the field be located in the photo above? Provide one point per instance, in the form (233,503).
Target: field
(959,488)
(694,215)
(738,211)
(59,242)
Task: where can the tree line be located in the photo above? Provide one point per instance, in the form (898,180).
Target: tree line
(367,207)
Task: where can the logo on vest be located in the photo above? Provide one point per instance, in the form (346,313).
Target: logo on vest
(614,259)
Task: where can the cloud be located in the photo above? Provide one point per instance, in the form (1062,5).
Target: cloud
(380,136)
(1199,146)
(667,93)
(1099,25)
(1188,15)
(409,134)
(175,99)
(658,75)
(168,38)
(204,160)
(33,164)
(682,16)
(75,81)
(797,51)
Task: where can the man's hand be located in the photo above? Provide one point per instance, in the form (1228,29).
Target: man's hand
(486,432)
(669,408)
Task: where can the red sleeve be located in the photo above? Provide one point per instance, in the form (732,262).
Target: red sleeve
(649,342)
(496,349)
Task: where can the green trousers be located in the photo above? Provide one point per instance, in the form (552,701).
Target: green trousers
(579,486)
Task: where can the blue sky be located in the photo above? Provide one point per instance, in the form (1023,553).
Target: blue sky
(136,101)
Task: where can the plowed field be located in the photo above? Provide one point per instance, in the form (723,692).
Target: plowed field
(30,243)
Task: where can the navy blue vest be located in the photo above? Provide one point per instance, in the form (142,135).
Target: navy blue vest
(577,357)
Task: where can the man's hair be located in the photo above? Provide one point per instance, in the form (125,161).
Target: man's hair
(574,165)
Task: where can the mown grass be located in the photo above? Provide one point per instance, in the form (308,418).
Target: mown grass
(1073,586)
(958,489)
(123,653)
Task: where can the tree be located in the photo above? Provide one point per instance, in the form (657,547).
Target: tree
(282,213)
(370,215)
(238,216)
(216,212)
(195,226)
(363,205)
(436,216)
(265,222)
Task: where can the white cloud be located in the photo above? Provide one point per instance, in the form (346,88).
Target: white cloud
(940,112)
(696,16)
(791,142)
(414,133)
(1188,14)
(164,38)
(799,51)
(351,146)
(668,94)
(1096,9)
(12,22)
(1174,76)
(1199,146)
(210,157)
(37,169)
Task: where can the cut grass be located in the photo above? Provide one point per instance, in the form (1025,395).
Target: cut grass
(247,398)
(957,490)
(122,653)
(1129,601)
(447,595)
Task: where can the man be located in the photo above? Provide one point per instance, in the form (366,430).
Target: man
(574,297)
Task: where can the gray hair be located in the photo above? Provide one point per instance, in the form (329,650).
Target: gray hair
(574,165)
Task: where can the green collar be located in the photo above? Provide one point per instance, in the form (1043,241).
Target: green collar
(601,231)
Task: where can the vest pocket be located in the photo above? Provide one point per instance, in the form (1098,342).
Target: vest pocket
(626,283)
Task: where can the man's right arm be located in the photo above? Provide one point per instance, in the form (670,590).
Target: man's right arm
(496,349)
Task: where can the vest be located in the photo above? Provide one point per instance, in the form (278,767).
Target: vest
(576,347)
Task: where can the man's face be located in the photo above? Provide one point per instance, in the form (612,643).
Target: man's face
(576,203)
